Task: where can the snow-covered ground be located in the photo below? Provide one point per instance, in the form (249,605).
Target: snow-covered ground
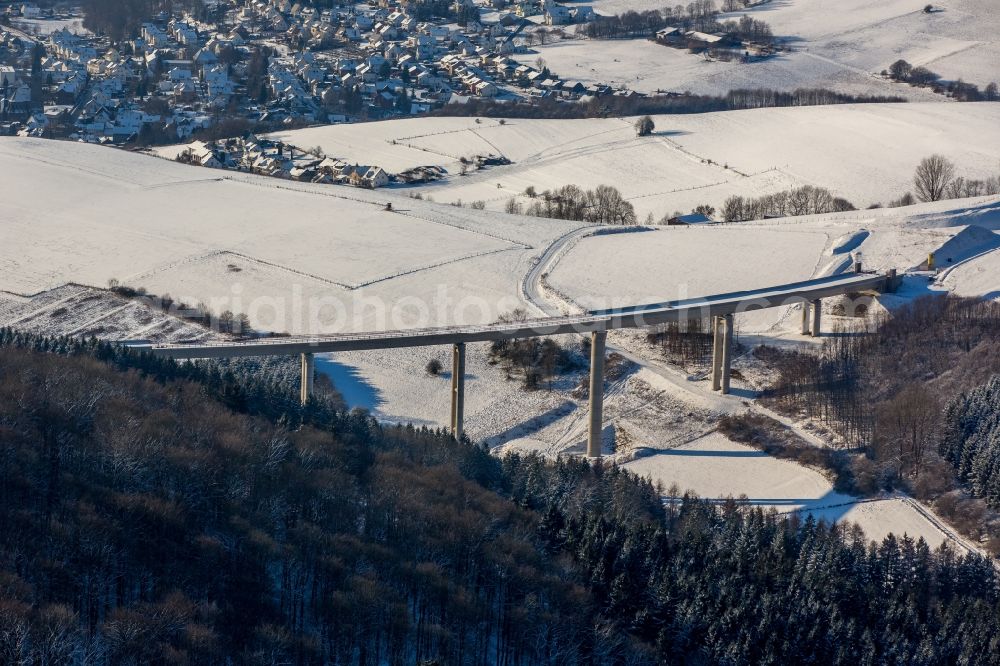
(648,67)
(670,263)
(865,153)
(843,46)
(48,26)
(301,258)
(294,257)
(975,277)
(715,467)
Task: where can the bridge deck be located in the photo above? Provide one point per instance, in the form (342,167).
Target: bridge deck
(630,317)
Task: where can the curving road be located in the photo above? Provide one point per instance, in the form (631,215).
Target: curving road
(535,293)
(531,284)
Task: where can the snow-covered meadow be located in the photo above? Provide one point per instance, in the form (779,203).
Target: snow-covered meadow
(712,466)
(842,46)
(866,153)
(74,212)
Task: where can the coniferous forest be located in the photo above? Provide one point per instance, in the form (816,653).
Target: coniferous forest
(971,441)
(156,513)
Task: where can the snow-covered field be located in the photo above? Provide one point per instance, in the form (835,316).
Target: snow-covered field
(48,26)
(648,67)
(975,277)
(682,262)
(865,153)
(295,257)
(838,45)
(715,467)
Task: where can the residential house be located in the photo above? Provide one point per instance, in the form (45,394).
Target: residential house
(557,15)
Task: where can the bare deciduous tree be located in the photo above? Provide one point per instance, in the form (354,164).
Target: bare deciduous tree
(932,178)
(907,427)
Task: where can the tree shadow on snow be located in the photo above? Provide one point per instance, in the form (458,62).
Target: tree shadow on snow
(349,383)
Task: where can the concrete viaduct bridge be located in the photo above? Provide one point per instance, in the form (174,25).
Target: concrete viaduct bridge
(719,308)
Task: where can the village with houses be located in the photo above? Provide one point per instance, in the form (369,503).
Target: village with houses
(275,158)
(270,62)
(243,65)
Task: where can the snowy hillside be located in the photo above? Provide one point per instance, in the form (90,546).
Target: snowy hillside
(89,214)
(865,153)
(838,45)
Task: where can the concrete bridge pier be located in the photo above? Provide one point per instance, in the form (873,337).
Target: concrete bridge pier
(717,341)
(722,352)
(805,317)
(598,343)
(727,352)
(817,312)
(308,370)
(457,389)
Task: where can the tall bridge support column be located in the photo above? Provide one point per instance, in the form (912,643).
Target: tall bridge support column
(817,312)
(805,317)
(891,282)
(306,385)
(598,340)
(727,352)
(457,389)
(717,341)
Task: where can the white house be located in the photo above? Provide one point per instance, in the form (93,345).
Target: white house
(557,14)
(375,177)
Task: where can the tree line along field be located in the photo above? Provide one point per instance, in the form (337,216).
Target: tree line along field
(916,394)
